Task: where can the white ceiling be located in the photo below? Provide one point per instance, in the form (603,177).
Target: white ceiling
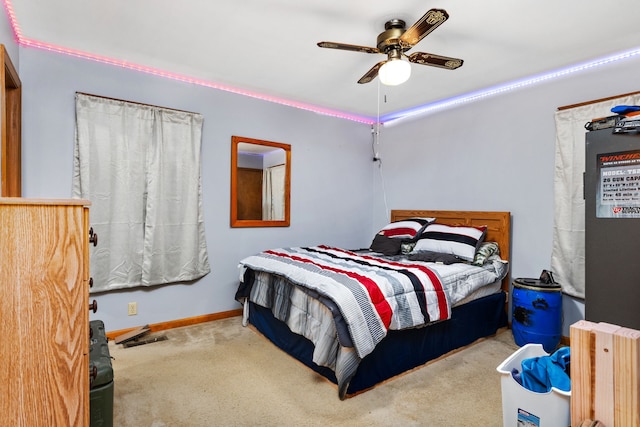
(268,47)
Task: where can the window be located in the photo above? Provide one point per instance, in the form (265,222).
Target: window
(139,165)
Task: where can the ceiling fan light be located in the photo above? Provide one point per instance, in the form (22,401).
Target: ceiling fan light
(394,72)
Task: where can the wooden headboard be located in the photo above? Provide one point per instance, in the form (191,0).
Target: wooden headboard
(498,226)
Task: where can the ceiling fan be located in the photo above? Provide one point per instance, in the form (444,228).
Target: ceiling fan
(395,41)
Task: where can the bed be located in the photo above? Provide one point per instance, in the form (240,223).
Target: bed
(360,317)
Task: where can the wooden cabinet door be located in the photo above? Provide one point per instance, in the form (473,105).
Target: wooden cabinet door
(249,193)
(44,314)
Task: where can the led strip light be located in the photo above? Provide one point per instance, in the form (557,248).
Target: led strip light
(426,109)
(25,42)
(388,119)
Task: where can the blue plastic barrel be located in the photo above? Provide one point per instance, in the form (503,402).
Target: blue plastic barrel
(537,313)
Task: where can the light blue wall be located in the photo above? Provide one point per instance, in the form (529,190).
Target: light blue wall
(6,38)
(251,161)
(495,154)
(331,186)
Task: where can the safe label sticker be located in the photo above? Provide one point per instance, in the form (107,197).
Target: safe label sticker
(618,191)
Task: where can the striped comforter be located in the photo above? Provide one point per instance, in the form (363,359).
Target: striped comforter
(373,294)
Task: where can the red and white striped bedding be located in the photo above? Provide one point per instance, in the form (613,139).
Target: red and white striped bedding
(373,294)
(314,289)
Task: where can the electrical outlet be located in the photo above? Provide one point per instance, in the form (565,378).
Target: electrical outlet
(133,308)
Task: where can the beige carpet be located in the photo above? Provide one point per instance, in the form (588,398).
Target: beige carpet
(221,374)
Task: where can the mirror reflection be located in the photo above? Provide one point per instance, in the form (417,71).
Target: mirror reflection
(259,183)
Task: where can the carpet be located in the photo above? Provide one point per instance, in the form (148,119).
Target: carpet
(222,374)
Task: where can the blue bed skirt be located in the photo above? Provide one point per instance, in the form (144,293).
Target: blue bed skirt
(399,351)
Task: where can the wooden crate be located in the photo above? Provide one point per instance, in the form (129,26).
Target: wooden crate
(605,374)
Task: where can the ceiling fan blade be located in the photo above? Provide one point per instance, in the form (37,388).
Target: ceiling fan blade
(372,73)
(429,22)
(351,47)
(435,60)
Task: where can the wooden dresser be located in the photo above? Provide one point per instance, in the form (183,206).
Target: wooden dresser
(44,321)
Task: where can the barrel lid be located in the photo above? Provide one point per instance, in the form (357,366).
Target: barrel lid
(536,284)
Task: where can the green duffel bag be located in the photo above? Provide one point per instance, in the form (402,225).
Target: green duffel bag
(101,377)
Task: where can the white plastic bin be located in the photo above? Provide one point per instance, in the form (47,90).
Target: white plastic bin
(526,408)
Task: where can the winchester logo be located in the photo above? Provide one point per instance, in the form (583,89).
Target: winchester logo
(619,157)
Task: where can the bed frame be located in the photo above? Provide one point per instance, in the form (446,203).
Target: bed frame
(402,351)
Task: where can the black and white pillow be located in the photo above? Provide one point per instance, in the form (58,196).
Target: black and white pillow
(461,241)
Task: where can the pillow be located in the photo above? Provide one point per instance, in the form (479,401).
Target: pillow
(458,240)
(386,245)
(483,253)
(437,257)
(405,229)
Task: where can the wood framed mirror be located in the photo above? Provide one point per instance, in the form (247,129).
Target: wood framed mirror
(260,183)
(11,127)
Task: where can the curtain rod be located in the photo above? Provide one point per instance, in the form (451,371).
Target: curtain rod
(134,102)
(595,101)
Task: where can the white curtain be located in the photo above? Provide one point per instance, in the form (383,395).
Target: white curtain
(567,256)
(139,166)
(273,193)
